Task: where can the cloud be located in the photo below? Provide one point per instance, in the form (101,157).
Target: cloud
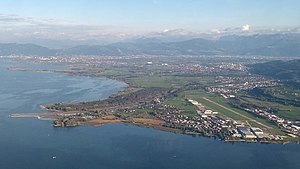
(10,19)
(166,30)
(246,28)
(16,27)
(217,31)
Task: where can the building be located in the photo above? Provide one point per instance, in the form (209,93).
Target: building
(257,131)
(246,133)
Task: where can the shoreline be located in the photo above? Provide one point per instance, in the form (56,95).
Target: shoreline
(110,119)
(137,122)
(72,73)
(55,116)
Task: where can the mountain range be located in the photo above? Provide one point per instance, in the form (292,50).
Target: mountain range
(281,70)
(260,44)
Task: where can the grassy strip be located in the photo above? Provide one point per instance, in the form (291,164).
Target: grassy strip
(274,129)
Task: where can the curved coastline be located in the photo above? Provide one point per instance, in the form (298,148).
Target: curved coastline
(121,107)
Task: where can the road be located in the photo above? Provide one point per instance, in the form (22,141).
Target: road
(237,113)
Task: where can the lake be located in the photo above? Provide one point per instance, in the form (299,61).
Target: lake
(27,143)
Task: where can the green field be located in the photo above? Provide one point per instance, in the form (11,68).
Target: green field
(285,111)
(284,92)
(168,81)
(181,103)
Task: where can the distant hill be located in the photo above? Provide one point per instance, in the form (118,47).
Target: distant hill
(25,49)
(266,45)
(282,70)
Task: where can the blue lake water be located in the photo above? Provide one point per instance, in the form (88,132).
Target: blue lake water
(27,143)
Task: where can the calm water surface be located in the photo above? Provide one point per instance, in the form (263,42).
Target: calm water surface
(27,143)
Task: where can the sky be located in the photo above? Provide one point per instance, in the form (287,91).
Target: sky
(82,19)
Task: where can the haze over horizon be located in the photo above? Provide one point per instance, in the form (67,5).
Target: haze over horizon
(114,20)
